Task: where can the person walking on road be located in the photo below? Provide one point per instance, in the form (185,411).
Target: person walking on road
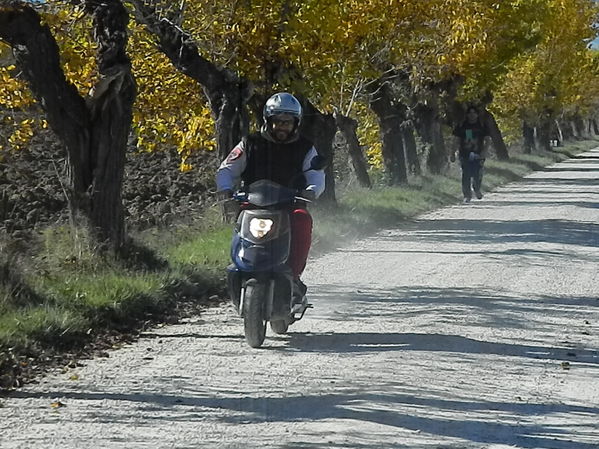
(472,139)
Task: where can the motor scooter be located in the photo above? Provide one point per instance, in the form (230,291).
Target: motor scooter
(260,282)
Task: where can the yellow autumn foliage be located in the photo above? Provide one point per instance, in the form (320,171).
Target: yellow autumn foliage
(559,76)
(170,108)
(531,54)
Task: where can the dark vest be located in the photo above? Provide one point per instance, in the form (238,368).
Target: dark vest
(278,162)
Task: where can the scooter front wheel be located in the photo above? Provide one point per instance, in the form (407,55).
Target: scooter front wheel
(254,323)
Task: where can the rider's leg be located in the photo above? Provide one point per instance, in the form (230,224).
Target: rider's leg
(301,239)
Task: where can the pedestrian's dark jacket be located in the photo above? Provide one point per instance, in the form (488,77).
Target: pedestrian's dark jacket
(472,137)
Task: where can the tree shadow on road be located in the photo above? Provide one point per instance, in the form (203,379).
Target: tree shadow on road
(374,342)
(549,203)
(481,306)
(384,409)
(483,231)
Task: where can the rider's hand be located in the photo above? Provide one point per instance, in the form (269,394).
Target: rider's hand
(473,156)
(452,157)
(309,195)
(224,195)
(229,207)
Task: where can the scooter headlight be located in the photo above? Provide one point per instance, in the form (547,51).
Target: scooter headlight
(259,227)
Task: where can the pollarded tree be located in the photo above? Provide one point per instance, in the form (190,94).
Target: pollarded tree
(342,50)
(546,81)
(234,51)
(226,91)
(93,128)
(462,62)
(509,28)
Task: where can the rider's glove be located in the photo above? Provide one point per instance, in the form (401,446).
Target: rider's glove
(473,156)
(309,195)
(224,195)
(229,207)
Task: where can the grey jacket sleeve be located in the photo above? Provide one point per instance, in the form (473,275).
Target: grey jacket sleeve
(315,179)
(230,170)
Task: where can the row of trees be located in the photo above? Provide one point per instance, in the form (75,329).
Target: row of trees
(195,75)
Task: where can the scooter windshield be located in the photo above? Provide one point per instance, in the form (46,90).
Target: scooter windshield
(268,193)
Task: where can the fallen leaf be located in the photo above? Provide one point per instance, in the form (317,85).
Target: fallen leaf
(57,404)
(566,365)
(74,377)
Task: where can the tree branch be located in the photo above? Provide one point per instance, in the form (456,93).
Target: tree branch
(37,54)
(180,48)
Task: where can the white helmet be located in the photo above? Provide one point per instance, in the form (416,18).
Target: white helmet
(282,103)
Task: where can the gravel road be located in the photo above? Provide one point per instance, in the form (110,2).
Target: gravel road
(474,326)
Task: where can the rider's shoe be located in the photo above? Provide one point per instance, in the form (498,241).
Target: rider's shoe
(478,194)
(467,199)
(299,291)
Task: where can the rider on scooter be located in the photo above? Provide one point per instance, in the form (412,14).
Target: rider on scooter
(280,154)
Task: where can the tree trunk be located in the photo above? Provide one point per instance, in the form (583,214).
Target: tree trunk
(320,129)
(559,134)
(566,130)
(580,127)
(496,136)
(429,127)
(528,134)
(573,129)
(228,106)
(543,136)
(226,92)
(407,132)
(111,115)
(348,127)
(94,131)
(394,158)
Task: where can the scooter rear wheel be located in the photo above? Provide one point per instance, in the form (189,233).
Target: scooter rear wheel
(254,323)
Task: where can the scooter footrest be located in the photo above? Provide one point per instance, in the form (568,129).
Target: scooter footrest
(301,311)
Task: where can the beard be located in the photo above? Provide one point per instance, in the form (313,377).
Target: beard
(281,135)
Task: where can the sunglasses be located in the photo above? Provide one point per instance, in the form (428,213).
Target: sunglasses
(283,122)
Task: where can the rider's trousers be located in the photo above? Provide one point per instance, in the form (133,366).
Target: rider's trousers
(301,239)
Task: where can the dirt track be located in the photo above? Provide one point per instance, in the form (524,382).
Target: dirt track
(474,326)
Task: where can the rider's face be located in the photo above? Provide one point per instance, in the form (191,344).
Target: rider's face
(282,126)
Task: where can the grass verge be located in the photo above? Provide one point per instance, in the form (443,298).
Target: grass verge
(62,296)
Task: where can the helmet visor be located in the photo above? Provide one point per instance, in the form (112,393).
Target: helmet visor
(283,120)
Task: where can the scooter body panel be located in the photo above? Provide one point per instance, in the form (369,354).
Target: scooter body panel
(263,259)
